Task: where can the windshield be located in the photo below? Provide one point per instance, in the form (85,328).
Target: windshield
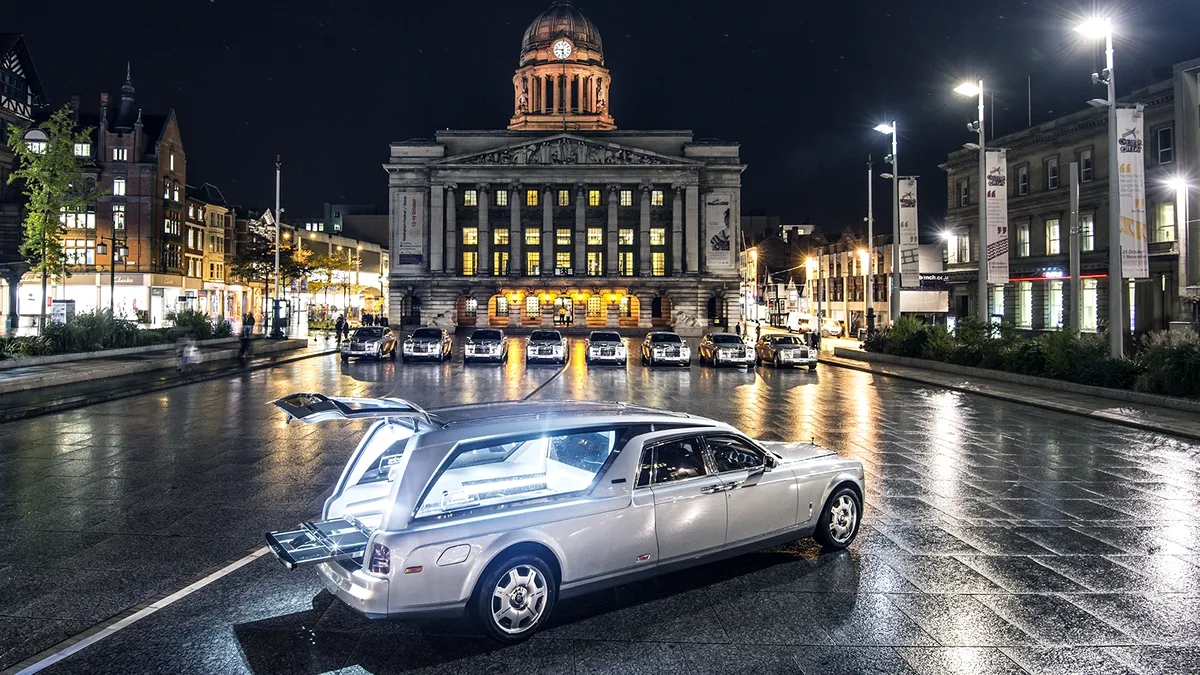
(544,336)
(368,334)
(606,337)
(670,338)
(787,340)
(726,340)
(485,335)
(427,334)
(540,467)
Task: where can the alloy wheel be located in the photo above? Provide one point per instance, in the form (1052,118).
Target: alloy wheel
(843,516)
(519,599)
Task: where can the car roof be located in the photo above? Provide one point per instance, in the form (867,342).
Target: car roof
(723,335)
(604,332)
(662,332)
(486,413)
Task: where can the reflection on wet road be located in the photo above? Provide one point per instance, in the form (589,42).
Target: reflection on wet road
(997,537)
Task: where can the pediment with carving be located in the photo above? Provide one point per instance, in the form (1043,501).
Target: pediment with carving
(564,151)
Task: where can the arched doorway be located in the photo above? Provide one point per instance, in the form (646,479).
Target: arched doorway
(467,310)
(497,311)
(630,309)
(564,311)
(410,310)
(662,311)
(531,314)
(715,310)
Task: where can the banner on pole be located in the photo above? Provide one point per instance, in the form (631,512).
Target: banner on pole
(996,166)
(1135,260)
(718,232)
(408,229)
(910,253)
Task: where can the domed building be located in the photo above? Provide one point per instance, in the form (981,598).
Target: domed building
(562,218)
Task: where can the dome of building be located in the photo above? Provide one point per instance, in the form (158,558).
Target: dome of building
(562,19)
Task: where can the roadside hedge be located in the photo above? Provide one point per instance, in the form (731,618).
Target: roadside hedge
(95,331)
(1163,364)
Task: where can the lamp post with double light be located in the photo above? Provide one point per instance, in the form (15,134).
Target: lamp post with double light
(120,254)
(894,297)
(981,296)
(1188,274)
(1102,28)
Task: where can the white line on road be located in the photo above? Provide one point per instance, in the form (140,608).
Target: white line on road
(128,621)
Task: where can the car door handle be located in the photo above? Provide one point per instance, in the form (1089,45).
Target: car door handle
(713,489)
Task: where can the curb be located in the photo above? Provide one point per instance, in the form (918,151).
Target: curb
(35,410)
(865,366)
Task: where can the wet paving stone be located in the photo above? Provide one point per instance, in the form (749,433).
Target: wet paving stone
(996,538)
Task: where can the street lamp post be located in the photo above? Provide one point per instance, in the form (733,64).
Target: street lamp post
(276,328)
(1183,235)
(868,296)
(120,250)
(981,296)
(894,298)
(1097,28)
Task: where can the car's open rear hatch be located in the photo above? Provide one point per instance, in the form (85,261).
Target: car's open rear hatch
(323,541)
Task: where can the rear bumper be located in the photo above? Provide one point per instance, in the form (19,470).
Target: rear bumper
(362,592)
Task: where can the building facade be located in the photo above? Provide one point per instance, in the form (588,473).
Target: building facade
(139,166)
(563,218)
(1036,296)
(21,96)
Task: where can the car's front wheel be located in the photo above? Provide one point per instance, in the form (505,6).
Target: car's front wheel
(839,521)
(515,597)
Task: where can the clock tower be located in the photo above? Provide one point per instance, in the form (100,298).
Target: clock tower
(561,83)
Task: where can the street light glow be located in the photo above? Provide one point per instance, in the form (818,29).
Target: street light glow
(885,128)
(968,89)
(1178,184)
(1095,27)
(946,234)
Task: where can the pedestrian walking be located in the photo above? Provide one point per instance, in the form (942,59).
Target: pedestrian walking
(338,327)
(737,330)
(248,324)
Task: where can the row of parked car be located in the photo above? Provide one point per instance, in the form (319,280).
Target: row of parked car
(602,347)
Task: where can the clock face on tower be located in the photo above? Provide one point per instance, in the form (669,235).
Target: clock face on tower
(562,49)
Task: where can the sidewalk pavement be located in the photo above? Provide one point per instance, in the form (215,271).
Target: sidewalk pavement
(1151,418)
(29,403)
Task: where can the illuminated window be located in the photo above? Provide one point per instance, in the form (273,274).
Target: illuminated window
(1055,292)
(656,198)
(118,216)
(626,197)
(1090,304)
(1025,304)
(80,251)
(595,308)
(562,236)
(1023,240)
(625,236)
(501,306)
(1023,180)
(533,308)
(175,192)
(595,236)
(166,188)
(501,197)
(625,263)
(625,307)
(83,149)
(658,263)
(533,236)
(658,236)
(500,263)
(171,161)
(1164,222)
(595,263)
(562,260)
(593,198)
(470,198)
(500,237)
(471,307)
(998,301)
(1087,232)
(470,263)
(470,236)
(83,219)
(1052,173)
(531,198)
(564,197)
(533,263)
(1053,237)
(1085,166)
(120,154)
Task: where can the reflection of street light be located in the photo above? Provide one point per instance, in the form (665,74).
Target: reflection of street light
(814,271)
(891,159)
(981,295)
(1102,28)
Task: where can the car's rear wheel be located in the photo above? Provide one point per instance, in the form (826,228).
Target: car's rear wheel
(515,597)
(839,521)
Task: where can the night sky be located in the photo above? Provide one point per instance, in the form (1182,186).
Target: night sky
(800,83)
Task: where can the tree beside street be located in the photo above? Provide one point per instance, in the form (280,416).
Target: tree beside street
(50,175)
(254,262)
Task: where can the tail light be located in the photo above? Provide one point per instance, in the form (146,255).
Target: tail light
(381,559)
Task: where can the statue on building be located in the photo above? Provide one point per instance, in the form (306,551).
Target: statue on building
(523,97)
(601,102)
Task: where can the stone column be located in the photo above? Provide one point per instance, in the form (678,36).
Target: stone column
(677,231)
(692,229)
(515,311)
(611,257)
(437,228)
(485,235)
(547,229)
(547,309)
(645,309)
(515,233)
(580,230)
(451,228)
(644,232)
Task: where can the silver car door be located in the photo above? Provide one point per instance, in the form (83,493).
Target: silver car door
(761,500)
(689,501)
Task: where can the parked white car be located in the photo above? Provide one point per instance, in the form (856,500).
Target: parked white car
(498,510)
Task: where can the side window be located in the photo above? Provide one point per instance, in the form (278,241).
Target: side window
(645,467)
(528,468)
(732,454)
(678,460)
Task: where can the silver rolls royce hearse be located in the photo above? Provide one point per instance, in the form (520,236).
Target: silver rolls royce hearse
(497,510)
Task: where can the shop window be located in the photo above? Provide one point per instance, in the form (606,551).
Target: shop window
(625,308)
(595,236)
